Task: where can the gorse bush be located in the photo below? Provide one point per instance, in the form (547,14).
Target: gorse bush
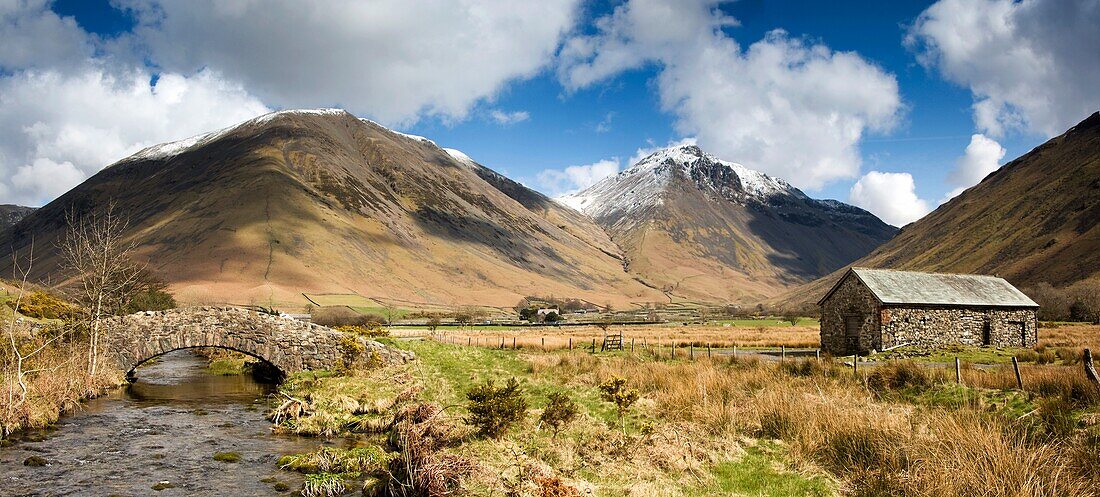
(559,412)
(614,390)
(374,331)
(41,305)
(494,410)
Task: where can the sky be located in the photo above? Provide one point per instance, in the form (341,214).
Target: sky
(892,106)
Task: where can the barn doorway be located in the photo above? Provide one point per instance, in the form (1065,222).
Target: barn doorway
(987,333)
(853,323)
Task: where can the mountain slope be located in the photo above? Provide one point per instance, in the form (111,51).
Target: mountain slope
(705,228)
(320,201)
(11,214)
(1036,219)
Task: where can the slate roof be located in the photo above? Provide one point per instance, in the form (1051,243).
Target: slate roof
(910,287)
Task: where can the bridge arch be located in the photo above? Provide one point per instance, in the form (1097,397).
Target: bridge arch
(285,343)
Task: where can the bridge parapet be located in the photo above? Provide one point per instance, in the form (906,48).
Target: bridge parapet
(288,344)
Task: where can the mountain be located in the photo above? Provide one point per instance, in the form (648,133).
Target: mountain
(11,214)
(321,201)
(701,227)
(1036,219)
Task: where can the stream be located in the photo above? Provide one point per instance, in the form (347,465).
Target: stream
(164,427)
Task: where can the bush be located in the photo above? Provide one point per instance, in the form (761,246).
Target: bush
(41,305)
(614,390)
(374,331)
(559,412)
(150,300)
(335,317)
(494,410)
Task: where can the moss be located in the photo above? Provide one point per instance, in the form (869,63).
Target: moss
(280,487)
(35,461)
(230,457)
(163,486)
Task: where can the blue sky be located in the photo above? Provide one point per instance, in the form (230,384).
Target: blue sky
(873,103)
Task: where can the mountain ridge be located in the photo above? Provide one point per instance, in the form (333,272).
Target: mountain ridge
(700,226)
(322,201)
(1036,219)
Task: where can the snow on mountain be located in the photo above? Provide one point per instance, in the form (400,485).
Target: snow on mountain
(171,149)
(644,183)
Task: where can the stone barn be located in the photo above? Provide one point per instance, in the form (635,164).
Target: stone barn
(878,309)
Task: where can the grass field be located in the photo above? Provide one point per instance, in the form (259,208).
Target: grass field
(729,427)
(699,335)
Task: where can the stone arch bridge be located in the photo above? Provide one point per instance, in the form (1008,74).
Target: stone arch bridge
(286,343)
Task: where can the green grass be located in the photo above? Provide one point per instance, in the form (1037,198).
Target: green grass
(966,354)
(227,367)
(758,473)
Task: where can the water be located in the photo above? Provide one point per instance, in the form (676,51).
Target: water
(166,426)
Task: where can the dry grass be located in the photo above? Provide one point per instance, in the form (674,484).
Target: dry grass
(1077,335)
(877,445)
(642,335)
(60,382)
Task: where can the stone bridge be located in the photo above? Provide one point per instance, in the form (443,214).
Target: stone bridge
(288,344)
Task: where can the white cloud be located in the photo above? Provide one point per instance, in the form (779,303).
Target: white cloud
(392,60)
(1032,65)
(34,36)
(785,106)
(890,196)
(558,182)
(505,118)
(983,156)
(66,127)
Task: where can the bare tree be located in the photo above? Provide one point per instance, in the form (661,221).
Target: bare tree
(99,260)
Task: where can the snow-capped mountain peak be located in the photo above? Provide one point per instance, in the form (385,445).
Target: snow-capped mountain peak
(645,183)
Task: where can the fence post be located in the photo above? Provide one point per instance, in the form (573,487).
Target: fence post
(691,351)
(817,354)
(735,352)
(782,352)
(958,371)
(543,343)
(501,343)
(570,344)
(631,345)
(1016,369)
(593,345)
(513,343)
(855,364)
(708,350)
(1090,369)
(672,350)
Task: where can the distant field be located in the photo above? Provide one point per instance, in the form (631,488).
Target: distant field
(716,336)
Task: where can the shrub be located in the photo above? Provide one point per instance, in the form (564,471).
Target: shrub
(494,410)
(150,300)
(41,305)
(559,412)
(334,317)
(614,390)
(372,331)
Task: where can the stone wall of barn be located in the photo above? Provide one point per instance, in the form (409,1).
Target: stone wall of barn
(850,300)
(939,326)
